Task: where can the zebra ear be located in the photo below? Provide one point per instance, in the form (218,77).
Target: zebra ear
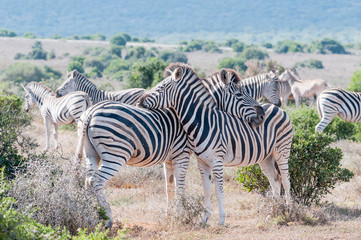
(223,76)
(178,73)
(26,90)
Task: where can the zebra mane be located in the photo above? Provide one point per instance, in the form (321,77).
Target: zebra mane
(173,66)
(79,76)
(43,88)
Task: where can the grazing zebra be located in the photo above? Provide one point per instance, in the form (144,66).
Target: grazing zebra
(120,134)
(336,101)
(77,82)
(64,110)
(308,88)
(263,85)
(219,139)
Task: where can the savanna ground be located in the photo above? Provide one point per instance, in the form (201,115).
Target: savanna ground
(137,195)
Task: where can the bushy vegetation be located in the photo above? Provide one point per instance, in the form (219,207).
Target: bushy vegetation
(236,63)
(288,46)
(326,46)
(7,33)
(172,57)
(311,63)
(253,53)
(355,84)
(29,35)
(314,165)
(198,45)
(37,52)
(96,37)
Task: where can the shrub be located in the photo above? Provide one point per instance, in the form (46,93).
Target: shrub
(7,33)
(52,190)
(288,46)
(19,56)
(94,72)
(98,37)
(94,62)
(231,42)
(211,46)
(147,74)
(116,68)
(37,51)
(314,168)
(76,65)
(267,45)
(118,40)
(238,46)
(311,63)
(116,50)
(51,55)
(355,84)
(327,45)
(29,35)
(234,63)
(56,36)
(169,56)
(12,141)
(253,53)
(138,53)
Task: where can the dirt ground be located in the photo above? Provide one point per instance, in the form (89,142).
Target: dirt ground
(137,195)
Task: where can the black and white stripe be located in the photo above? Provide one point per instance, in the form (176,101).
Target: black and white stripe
(219,139)
(77,82)
(263,85)
(64,110)
(336,101)
(122,134)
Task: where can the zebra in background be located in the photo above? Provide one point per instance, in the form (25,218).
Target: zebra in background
(120,134)
(219,139)
(77,82)
(285,91)
(263,85)
(336,101)
(64,110)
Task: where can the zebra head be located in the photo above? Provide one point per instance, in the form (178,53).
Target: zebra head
(272,89)
(29,98)
(69,85)
(236,101)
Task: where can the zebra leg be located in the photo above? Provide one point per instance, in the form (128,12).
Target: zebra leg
(169,180)
(47,133)
(217,170)
(92,162)
(268,168)
(281,156)
(205,171)
(326,119)
(56,135)
(297,100)
(181,164)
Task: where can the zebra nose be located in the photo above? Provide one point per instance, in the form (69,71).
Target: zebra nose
(279,103)
(57,93)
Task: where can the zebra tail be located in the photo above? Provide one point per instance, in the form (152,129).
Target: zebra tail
(318,106)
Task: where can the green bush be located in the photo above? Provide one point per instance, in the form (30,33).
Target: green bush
(98,37)
(75,65)
(238,46)
(138,53)
(146,74)
(311,63)
(231,42)
(172,57)
(94,63)
(29,35)
(327,45)
(118,40)
(237,64)
(355,84)
(253,53)
(12,141)
(288,46)
(314,168)
(267,45)
(7,33)
(116,50)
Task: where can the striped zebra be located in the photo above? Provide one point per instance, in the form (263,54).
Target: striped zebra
(336,101)
(285,91)
(120,134)
(64,110)
(77,82)
(219,139)
(263,85)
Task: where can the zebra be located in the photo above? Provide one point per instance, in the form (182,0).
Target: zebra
(220,139)
(285,91)
(77,82)
(64,110)
(263,85)
(336,101)
(120,134)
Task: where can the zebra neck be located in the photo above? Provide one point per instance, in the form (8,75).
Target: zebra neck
(254,87)
(40,96)
(192,105)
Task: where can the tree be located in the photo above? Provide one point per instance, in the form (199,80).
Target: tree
(7,33)
(118,40)
(29,35)
(254,53)
(76,65)
(234,63)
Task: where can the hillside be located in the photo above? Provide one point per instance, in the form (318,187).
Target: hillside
(172,20)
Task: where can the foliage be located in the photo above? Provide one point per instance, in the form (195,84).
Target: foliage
(118,40)
(172,57)
(314,168)
(116,68)
(138,53)
(37,52)
(230,42)
(355,84)
(94,63)
(29,35)
(7,33)
(75,65)
(253,53)
(327,45)
(116,50)
(311,63)
(12,141)
(22,72)
(288,46)
(267,45)
(197,45)
(234,63)
(238,46)
(147,74)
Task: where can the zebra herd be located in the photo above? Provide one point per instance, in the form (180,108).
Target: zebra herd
(216,118)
